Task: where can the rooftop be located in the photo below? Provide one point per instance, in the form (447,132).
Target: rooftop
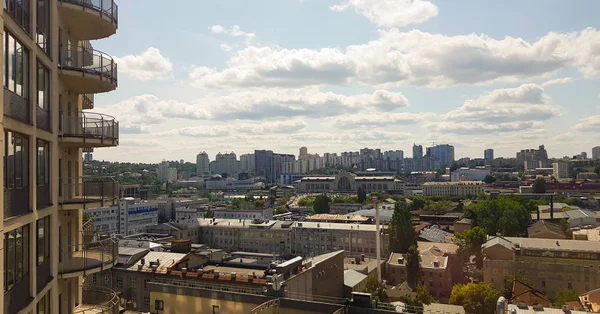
(550,244)
(453,183)
(353,217)
(431,253)
(524,309)
(166,259)
(353,278)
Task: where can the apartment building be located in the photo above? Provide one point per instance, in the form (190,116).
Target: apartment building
(51,73)
(202,164)
(463,188)
(549,264)
(345,182)
(441,268)
(125,218)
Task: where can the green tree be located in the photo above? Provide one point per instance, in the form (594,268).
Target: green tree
(280,210)
(417,203)
(489,179)
(508,282)
(477,298)
(321,204)
(503,215)
(469,243)
(539,186)
(422,296)
(566,228)
(402,234)
(565,295)
(597,169)
(361,194)
(413,266)
(376,289)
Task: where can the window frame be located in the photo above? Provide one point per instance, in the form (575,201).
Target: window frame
(12,263)
(24,18)
(42,69)
(45,43)
(17,176)
(42,175)
(11,66)
(43,248)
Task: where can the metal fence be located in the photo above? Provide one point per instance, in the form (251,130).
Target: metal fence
(88,189)
(90,125)
(104,7)
(88,60)
(98,300)
(83,257)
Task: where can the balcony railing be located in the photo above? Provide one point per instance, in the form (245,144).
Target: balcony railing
(86,190)
(107,8)
(90,126)
(43,196)
(16,107)
(89,61)
(19,296)
(98,300)
(88,101)
(16,202)
(89,258)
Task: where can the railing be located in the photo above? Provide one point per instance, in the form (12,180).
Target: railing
(90,125)
(16,107)
(42,119)
(16,202)
(104,7)
(88,101)
(98,300)
(97,254)
(88,190)
(89,61)
(42,198)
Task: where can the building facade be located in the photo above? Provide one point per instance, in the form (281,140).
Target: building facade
(443,153)
(247,163)
(560,170)
(467,174)
(202,164)
(125,218)
(488,156)
(463,188)
(533,158)
(596,152)
(51,73)
(165,173)
(225,164)
(345,182)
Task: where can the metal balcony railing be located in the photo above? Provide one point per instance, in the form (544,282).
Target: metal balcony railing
(98,300)
(85,59)
(99,255)
(105,7)
(90,125)
(88,101)
(84,190)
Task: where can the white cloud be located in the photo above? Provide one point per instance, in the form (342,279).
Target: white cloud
(239,128)
(565,137)
(225,47)
(589,124)
(235,31)
(379,120)
(149,65)
(391,13)
(564,80)
(412,57)
(502,110)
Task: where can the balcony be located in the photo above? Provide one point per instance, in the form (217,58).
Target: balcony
(86,70)
(87,101)
(87,192)
(88,258)
(88,129)
(89,19)
(98,300)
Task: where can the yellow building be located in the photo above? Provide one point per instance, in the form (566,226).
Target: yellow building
(463,188)
(51,73)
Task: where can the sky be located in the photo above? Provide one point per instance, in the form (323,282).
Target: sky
(341,75)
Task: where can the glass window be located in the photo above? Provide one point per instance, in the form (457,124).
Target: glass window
(43,25)
(16,256)
(16,69)
(19,11)
(43,162)
(43,86)
(16,161)
(44,305)
(43,240)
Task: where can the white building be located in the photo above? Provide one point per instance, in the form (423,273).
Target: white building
(596,152)
(165,173)
(259,214)
(202,164)
(560,170)
(466,174)
(247,163)
(464,188)
(232,184)
(127,217)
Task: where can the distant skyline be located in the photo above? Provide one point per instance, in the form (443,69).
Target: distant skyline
(341,75)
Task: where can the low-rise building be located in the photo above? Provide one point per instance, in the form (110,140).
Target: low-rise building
(463,188)
(441,268)
(549,264)
(345,182)
(543,229)
(469,174)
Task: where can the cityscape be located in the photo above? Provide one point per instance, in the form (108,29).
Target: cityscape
(340,157)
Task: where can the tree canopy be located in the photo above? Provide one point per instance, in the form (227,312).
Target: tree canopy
(478,298)
(401,231)
(321,204)
(502,215)
(376,289)
(413,266)
(469,243)
(539,186)
(361,195)
(489,179)
(565,295)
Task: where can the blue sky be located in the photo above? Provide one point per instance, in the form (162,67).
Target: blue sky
(340,75)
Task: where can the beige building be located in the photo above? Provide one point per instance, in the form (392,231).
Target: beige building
(463,188)
(51,73)
(549,264)
(345,182)
(441,268)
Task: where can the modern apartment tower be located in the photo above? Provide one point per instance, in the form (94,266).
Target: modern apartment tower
(444,154)
(488,156)
(202,164)
(51,73)
(417,151)
(596,152)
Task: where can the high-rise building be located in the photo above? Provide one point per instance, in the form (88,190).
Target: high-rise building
(444,153)
(88,157)
(560,170)
(303,152)
(125,218)
(533,158)
(596,152)
(164,173)
(202,164)
(417,151)
(488,156)
(51,74)
(225,164)
(247,163)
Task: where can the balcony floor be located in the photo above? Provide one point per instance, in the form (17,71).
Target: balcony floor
(74,263)
(87,309)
